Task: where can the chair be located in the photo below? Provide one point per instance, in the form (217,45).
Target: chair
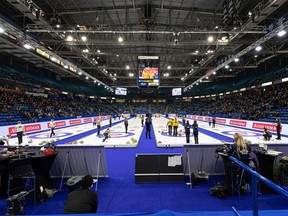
(241,180)
(21,168)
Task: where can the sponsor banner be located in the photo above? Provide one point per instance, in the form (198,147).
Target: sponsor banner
(32,127)
(260,126)
(88,120)
(77,121)
(171,115)
(57,124)
(44,125)
(238,123)
(221,121)
(200,118)
(207,118)
(11,130)
(27,128)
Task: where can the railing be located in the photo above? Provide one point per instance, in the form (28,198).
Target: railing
(256,176)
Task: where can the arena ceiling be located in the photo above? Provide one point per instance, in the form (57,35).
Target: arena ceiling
(175,30)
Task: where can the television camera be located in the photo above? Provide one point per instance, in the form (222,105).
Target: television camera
(16,203)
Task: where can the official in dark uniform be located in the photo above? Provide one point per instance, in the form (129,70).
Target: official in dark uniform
(195,131)
(278,128)
(148,123)
(187,131)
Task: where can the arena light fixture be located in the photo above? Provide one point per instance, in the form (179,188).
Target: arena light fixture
(281,33)
(53,59)
(27,46)
(98,51)
(210,39)
(214,72)
(95,81)
(258,48)
(120,39)
(66,66)
(87,77)
(1,30)
(127,67)
(266,84)
(80,73)
(224,38)
(168,67)
(84,38)
(226,66)
(236,59)
(58,26)
(69,38)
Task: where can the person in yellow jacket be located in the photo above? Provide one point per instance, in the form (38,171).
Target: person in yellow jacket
(175,126)
(170,124)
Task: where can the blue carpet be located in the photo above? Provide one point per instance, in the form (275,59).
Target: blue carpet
(120,194)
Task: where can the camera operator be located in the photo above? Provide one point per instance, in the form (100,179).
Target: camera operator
(82,200)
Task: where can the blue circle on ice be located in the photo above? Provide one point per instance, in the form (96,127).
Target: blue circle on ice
(243,133)
(47,135)
(117,134)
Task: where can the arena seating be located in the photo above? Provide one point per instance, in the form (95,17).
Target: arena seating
(271,102)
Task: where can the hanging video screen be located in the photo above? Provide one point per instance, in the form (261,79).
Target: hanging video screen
(120,91)
(176,92)
(148,71)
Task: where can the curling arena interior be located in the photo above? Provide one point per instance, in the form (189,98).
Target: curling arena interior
(147,97)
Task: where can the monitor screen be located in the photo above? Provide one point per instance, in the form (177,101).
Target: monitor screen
(120,91)
(148,76)
(176,91)
(148,71)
